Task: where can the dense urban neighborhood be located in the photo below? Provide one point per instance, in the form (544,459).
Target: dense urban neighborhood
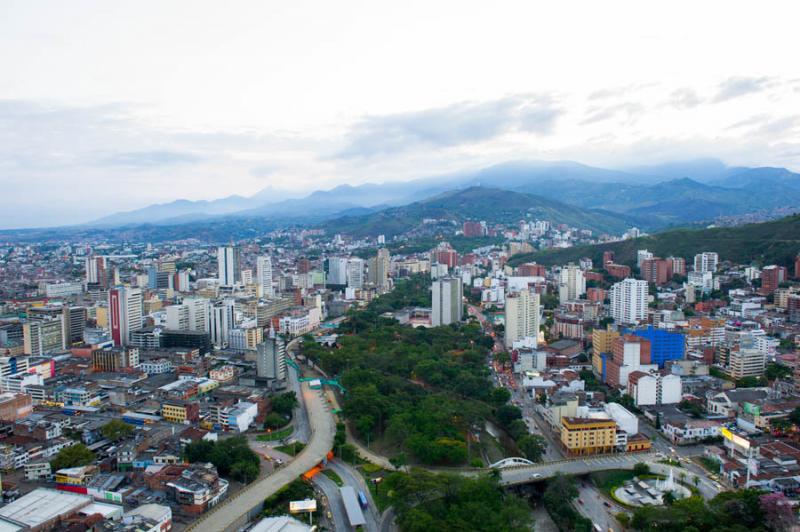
(339,381)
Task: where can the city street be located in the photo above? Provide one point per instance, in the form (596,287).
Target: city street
(592,505)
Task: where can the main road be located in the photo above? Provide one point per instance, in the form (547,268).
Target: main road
(235,512)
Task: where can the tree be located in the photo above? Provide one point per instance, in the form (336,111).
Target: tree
(274,421)
(532,446)
(640,469)
(507,413)
(285,404)
(116,429)
(776,371)
(499,396)
(778,513)
(73,456)
(795,416)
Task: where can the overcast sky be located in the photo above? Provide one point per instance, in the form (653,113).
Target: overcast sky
(108,106)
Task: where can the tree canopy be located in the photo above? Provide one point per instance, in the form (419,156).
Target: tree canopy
(231,456)
(73,456)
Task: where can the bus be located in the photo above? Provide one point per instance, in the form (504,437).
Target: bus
(362,500)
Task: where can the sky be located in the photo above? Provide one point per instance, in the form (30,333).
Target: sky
(109,106)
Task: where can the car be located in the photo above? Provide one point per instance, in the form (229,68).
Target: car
(607,504)
(536,475)
(580,501)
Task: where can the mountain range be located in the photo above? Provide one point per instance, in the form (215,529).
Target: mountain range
(670,194)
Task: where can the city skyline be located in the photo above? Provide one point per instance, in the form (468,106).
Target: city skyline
(313,96)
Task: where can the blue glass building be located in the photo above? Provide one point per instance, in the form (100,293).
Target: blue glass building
(664,345)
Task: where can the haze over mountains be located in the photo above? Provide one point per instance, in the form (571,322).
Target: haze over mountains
(657,196)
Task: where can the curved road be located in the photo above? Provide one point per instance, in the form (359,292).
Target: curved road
(234,513)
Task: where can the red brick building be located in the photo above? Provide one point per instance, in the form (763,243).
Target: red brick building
(531,269)
(618,271)
(657,271)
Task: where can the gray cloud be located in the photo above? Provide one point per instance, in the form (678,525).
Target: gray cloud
(740,86)
(627,111)
(685,98)
(148,159)
(460,123)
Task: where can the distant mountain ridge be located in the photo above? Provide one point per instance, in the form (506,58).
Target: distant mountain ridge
(480,203)
(669,194)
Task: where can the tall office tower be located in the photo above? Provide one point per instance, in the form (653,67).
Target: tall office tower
(221,321)
(178,318)
(247,277)
(43,334)
(271,358)
(355,273)
(228,265)
(199,313)
(572,284)
(522,317)
(379,270)
(629,301)
(95,268)
(448,301)
(74,324)
(264,277)
(641,256)
(181,281)
(706,262)
(337,271)
(125,313)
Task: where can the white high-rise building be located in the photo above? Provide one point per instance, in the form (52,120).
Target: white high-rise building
(522,318)
(125,313)
(448,301)
(271,358)
(572,283)
(228,265)
(337,271)
(355,273)
(629,301)
(706,262)
(191,315)
(264,277)
(222,320)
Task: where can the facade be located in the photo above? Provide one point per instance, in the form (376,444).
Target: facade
(355,273)
(706,262)
(630,353)
(602,344)
(228,265)
(264,277)
(657,271)
(572,284)
(664,345)
(271,359)
(648,389)
(448,301)
(771,278)
(586,436)
(629,301)
(125,313)
(522,317)
(378,270)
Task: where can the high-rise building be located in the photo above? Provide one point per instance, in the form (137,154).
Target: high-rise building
(474,229)
(678,265)
(228,265)
(115,359)
(572,284)
(656,270)
(771,278)
(74,324)
(522,317)
(628,301)
(629,353)
(125,313)
(264,277)
(378,274)
(706,262)
(43,334)
(355,273)
(641,256)
(602,344)
(222,320)
(271,358)
(448,301)
(747,360)
(337,271)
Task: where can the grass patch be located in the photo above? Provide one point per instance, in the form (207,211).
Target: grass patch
(276,434)
(709,464)
(292,450)
(671,462)
(331,474)
(278,503)
(380,494)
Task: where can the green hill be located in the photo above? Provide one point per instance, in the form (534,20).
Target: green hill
(481,203)
(776,242)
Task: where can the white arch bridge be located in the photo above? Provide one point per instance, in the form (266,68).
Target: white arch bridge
(511,462)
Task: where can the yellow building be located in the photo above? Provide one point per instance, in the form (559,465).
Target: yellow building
(176,412)
(101,317)
(602,342)
(582,436)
